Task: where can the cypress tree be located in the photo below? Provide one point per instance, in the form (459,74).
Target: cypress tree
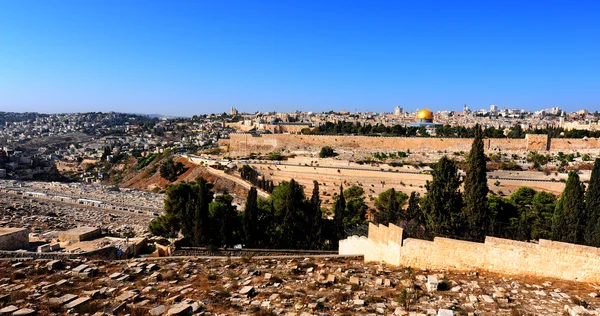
(393,209)
(592,208)
(226,224)
(413,211)
(476,211)
(315,205)
(250,219)
(569,212)
(204,196)
(291,201)
(442,203)
(338,217)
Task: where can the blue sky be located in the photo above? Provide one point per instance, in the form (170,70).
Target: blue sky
(189,57)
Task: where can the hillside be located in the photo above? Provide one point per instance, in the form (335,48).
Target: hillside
(148,178)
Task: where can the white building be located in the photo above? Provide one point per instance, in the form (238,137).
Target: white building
(398,111)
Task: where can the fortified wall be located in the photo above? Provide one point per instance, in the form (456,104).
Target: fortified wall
(244,144)
(545,259)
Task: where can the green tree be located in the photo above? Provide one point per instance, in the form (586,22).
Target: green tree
(186,210)
(326,152)
(504,217)
(389,206)
(476,211)
(443,202)
(592,207)
(203,198)
(165,225)
(353,192)
(226,222)
(543,205)
(523,197)
(250,220)
(522,224)
(289,204)
(516,132)
(338,217)
(569,213)
(356,208)
(275,155)
(171,170)
(415,226)
(317,218)
(413,210)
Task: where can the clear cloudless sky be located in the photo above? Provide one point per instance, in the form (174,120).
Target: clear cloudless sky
(189,57)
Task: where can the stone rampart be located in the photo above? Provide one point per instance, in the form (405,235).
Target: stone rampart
(244,144)
(544,259)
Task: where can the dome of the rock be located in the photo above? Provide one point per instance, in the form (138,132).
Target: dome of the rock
(425,114)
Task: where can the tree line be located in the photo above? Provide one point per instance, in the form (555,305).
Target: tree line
(251,175)
(474,213)
(515,131)
(289,219)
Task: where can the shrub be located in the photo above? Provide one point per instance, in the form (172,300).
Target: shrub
(326,152)
(275,155)
(510,165)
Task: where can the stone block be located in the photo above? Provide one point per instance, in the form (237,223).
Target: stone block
(25,312)
(8,310)
(445,312)
(78,303)
(54,265)
(158,310)
(44,248)
(80,234)
(247,290)
(14,239)
(432,283)
(180,309)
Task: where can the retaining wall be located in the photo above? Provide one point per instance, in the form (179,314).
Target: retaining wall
(545,259)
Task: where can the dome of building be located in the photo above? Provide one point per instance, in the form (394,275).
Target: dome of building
(425,114)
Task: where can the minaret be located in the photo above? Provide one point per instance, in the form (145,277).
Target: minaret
(561,120)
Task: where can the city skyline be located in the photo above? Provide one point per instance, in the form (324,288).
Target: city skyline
(186,58)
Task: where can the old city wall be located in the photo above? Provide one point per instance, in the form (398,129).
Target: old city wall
(566,144)
(244,144)
(545,259)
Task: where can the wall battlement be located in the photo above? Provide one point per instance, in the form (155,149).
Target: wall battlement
(243,144)
(545,259)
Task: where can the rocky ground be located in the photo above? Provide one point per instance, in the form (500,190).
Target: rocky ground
(107,194)
(42,216)
(284,286)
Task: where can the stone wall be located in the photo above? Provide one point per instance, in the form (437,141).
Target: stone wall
(202,251)
(545,259)
(244,144)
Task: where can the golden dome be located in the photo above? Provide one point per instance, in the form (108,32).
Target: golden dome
(425,114)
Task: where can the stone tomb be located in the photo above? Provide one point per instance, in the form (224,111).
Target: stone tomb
(80,234)
(14,238)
